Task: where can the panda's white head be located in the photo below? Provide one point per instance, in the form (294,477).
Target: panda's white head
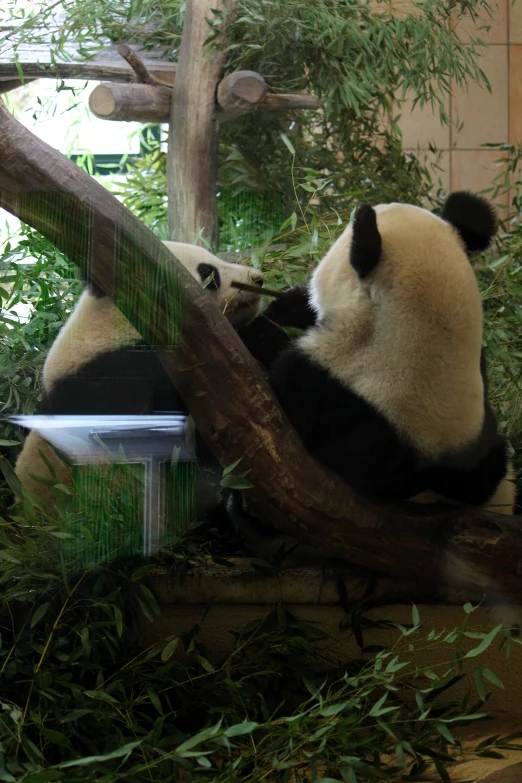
(218,276)
(400,317)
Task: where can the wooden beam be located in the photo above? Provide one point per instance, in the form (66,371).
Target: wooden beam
(7,85)
(242,91)
(193,134)
(291,101)
(230,400)
(238,93)
(107,65)
(131,102)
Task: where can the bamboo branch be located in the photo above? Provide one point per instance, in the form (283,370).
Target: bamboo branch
(229,398)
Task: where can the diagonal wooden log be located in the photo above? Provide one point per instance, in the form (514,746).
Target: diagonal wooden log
(230,400)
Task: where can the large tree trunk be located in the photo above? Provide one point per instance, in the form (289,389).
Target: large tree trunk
(229,398)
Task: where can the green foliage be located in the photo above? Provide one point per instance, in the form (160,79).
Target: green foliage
(357,57)
(351,52)
(236,480)
(144,187)
(148,22)
(500,278)
(80,700)
(34,276)
(101,513)
(245,219)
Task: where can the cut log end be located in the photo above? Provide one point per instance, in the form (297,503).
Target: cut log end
(130,102)
(102,102)
(242,91)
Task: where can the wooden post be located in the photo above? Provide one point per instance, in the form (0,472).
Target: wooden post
(193,134)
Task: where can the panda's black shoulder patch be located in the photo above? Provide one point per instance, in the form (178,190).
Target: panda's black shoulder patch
(474,218)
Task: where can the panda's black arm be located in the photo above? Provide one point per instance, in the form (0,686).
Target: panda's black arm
(264,339)
(292,308)
(265,335)
(343,431)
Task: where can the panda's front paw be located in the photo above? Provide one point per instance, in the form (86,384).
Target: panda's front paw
(292,308)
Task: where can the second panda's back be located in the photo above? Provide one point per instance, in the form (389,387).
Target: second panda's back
(98,366)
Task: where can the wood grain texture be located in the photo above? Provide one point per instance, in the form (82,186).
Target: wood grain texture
(290,101)
(130,102)
(230,400)
(193,135)
(242,91)
(239,92)
(136,63)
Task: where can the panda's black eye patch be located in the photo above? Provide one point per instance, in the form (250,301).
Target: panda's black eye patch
(210,273)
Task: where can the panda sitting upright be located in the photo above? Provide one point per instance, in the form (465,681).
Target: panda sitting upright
(388,388)
(98,366)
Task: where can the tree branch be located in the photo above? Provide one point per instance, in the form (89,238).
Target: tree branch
(136,63)
(230,399)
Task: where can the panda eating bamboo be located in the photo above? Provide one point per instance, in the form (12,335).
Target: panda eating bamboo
(387,385)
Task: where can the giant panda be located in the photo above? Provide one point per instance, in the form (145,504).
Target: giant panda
(388,387)
(97,364)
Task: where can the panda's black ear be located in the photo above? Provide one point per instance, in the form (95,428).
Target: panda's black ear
(474,218)
(365,250)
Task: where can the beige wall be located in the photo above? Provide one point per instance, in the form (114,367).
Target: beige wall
(485,117)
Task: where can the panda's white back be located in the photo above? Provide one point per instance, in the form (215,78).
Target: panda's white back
(388,388)
(408,337)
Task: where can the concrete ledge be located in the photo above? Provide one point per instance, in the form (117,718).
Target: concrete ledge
(313,584)
(223,600)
